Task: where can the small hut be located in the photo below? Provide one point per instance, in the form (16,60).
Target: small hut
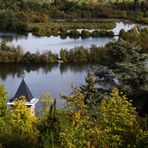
(24,91)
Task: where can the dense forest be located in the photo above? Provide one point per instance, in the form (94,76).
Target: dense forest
(23,16)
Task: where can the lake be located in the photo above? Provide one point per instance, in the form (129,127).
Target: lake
(56,78)
(33,43)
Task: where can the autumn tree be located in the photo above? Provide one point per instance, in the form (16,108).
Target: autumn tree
(118,124)
(64,55)
(48,122)
(20,129)
(81,131)
(4,112)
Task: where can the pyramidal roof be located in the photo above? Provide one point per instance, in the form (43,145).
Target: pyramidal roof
(23,90)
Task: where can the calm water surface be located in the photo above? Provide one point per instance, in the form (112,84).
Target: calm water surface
(32,43)
(55,78)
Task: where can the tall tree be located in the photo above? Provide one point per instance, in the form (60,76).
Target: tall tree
(89,90)
(118,122)
(127,62)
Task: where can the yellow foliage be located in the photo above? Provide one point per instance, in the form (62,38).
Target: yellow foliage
(4,113)
(23,121)
(118,124)
(82,131)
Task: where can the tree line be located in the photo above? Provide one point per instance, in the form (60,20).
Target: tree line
(16,55)
(18,16)
(137,36)
(65,29)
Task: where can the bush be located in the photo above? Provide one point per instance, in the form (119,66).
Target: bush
(85,34)
(74,34)
(95,34)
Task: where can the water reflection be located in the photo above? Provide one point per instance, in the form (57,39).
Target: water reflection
(12,36)
(33,43)
(16,70)
(55,78)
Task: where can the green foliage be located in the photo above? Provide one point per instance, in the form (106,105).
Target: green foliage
(118,122)
(143,142)
(137,35)
(103,33)
(89,90)
(24,123)
(66,28)
(105,78)
(95,34)
(85,34)
(4,46)
(4,114)
(75,55)
(81,54)
(24,15)
(49,123)
(63,33)
(21,116)
(115,123)
(17,55)
(78,54)
(74,34)
(19,130)
(82,131)
(64,55)
(128,64)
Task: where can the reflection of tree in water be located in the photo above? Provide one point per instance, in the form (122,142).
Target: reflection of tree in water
(10,69)
(75,67)
(7,38)
(16,70)
(12,36)
(46,68)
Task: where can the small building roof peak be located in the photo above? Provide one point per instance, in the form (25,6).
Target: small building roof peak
(23,90)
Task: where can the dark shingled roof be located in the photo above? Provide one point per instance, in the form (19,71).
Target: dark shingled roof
(23,90)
